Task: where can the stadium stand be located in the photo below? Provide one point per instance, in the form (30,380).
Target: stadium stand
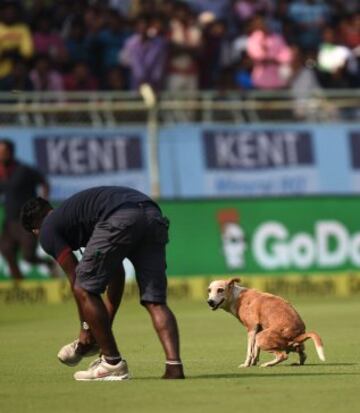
(116,45)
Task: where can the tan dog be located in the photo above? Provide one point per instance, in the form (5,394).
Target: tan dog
(273,325)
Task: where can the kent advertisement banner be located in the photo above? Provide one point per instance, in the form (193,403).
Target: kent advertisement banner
(259,160)
(199,161)
(75,159)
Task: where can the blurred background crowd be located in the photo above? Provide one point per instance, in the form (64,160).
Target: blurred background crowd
(179,45)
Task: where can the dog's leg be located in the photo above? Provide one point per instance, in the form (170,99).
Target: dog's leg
(255,351)
(255,355)
(302,355)
(252,349)
(300,350)
(249,350)
(272,342)
(280,356)
(302,358)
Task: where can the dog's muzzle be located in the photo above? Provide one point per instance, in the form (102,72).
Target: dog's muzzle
(213,304)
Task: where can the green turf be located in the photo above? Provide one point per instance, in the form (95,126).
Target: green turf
(213,344)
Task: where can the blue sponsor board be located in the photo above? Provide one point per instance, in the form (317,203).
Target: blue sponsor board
(74,159)
(87,155)
(247,150)
(199,160)
(354,147)
(256,160)
(354,151)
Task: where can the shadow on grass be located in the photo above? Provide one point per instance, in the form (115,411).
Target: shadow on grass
(242,375)
(257,372)
(275,372)
(325,364)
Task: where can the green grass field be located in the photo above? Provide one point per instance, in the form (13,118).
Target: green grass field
(213,344)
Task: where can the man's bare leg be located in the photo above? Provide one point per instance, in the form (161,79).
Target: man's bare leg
(112,302)
(166,328)
(114,293)
(97,317)
(86,344)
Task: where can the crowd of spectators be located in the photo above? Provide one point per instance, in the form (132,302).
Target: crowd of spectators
(78,45)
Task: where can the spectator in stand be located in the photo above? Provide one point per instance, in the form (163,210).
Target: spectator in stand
(166,9)
(94,19)
(341,7)
(76,43)
(309,17)
(271,57)
(279,20)
(242,75)
(185,48)
(144,7)
(15,37)
(349,30)
(114,79)
(145,52)
(44,77)
(47,41)
(303,83)
(18,79)
(337,63)
(238,44)
(245,10)
(193,44)
(219,8)
(112,39)
(214,35)
(80,78)
(122,6)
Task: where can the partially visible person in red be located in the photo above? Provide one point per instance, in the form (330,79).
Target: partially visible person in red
(80,78)
(349,30)
(18,183)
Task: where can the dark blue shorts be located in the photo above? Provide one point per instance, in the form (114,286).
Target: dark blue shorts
(139,233)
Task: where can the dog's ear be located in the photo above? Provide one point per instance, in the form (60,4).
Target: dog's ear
(232,281)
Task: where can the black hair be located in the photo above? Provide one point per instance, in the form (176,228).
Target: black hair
(33,212)
(9,144)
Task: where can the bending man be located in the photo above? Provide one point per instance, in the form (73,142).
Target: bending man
(111,223)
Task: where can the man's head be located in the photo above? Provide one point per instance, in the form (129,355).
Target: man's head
(33,213)
(7,150)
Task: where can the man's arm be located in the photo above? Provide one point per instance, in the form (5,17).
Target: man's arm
(68,262)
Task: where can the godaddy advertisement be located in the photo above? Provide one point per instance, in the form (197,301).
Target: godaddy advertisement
(262,237)
(286,246)
(273,236)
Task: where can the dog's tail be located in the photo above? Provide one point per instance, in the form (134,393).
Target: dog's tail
(317,341)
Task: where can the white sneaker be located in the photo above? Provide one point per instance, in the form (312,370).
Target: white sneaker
(71,355)
(100,370)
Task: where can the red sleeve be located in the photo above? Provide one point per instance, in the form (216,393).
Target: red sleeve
(60,257)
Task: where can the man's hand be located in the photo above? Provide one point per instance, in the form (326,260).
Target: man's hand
(86,339)
(68,263)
